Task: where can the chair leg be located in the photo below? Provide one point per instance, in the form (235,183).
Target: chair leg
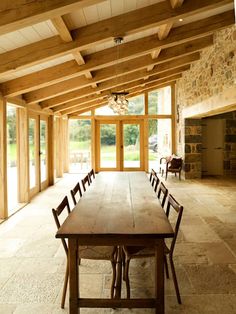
(127,261)
(179,176)
(166,267)
(65,286)
(113,264)
(166,174)
(175,280)
(123,264)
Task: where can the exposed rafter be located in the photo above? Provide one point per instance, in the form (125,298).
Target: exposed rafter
(21,13)
(106,57)
(87,36)
(130,66)
(81,92)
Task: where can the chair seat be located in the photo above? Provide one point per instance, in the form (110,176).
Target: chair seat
(143,251)
(96,252)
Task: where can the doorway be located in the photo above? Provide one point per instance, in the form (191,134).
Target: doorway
(38,153)
(212,146)
(120,145)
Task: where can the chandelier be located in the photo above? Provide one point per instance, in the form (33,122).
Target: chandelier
(117,100)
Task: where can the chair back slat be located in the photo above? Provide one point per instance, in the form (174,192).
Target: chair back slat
(153,173)
(155,182)
(74,191)
(57,212)
(174,205)
(85,181)
(162,194)
(91,174)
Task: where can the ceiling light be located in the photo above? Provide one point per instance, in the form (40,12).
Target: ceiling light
(117,100)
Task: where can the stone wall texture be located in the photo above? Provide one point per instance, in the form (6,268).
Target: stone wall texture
(213,74)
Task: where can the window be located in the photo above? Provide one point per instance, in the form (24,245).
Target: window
(79,145)
(159,101)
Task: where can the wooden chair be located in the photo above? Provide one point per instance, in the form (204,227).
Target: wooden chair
(131,252)
(162,194)
(74,191)
(153,172)
(155,182)
(85,180)
(175,166)
(91,174)
(85,252)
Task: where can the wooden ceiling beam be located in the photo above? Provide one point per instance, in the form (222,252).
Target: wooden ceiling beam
(69,107)
(85,37)
(176,3)
(88,90)
(131,66)
(62,29)
(164,30)
(138,90)
(21,13)
(106,92)
(106,57)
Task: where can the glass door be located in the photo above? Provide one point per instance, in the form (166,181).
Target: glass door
(108,157)
(120,145)
(132,145)
(43,152)
(38,152)
(33,155)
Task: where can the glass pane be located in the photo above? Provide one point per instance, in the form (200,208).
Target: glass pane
(80,145)
(32,152)
(159,141)
(136,105)
(159,101)
(43,150)
(12,177)
(131,145)
(105,111)
(108,145)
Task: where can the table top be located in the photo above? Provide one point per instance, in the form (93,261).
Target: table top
(117,205)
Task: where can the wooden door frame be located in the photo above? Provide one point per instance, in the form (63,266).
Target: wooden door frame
(141,139)
(119,122)
(39,186)
(98,146)
(43,185)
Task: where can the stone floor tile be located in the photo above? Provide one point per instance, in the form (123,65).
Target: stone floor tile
(215,279)
(218,253)
(29,288)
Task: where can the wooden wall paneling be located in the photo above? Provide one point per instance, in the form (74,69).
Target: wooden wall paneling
(50,150)
(23,155)
(3,160)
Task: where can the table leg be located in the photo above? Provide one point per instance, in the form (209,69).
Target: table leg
(159,277)
(118,274)
(73,276)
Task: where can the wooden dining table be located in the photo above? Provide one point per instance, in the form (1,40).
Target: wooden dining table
(119,208)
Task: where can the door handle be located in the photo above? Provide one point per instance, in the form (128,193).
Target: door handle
(218,147)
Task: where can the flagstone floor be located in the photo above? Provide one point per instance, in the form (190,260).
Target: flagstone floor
(32,261)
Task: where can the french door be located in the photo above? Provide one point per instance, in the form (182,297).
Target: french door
(119,145)
(38,153)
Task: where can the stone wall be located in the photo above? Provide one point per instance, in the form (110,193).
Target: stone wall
(212,77)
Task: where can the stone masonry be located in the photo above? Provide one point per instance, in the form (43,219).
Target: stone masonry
(212,75)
